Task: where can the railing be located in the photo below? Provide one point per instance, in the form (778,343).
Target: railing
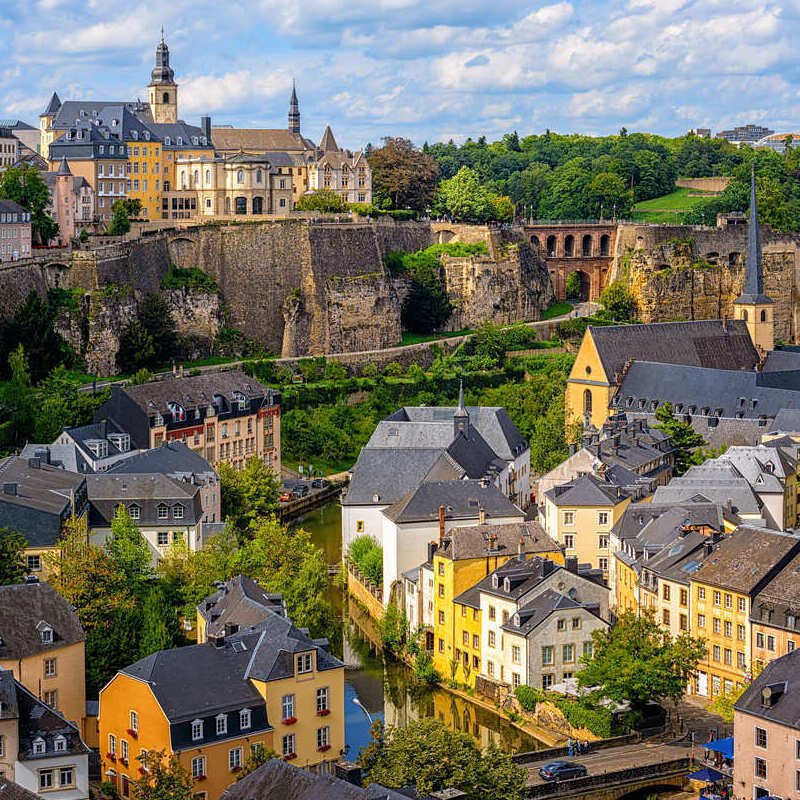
(631,775)
(559,752)
(374,590)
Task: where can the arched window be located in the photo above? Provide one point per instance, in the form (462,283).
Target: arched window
(587,401)
(240,176)
(165,98)
(764,315)
(196,177)
(586,246)
(183,179)
(535,240)
(241,205)
(258,205)
(605,242)
(259,176)
(208,177)
(551,246)
(744,315)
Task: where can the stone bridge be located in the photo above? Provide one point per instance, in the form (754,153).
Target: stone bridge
(586,248)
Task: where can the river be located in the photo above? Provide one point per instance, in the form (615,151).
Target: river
(378,688)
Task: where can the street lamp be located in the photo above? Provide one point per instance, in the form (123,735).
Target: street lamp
(361,706)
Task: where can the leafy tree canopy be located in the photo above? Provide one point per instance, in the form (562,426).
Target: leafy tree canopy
(402,176)
(322,200)
(25,186)
(683,438)
(618,301)
(12,562)
(249,494)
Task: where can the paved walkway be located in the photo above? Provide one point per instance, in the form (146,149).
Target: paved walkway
(694,716)
(616,758)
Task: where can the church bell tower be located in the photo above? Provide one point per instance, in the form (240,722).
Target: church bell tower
(163,91)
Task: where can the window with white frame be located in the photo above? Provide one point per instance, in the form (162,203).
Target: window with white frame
(569,517)
(323,737)
(222,724)
(197,729)
(45,779)
(305,663)
(198,766)
(287,745)
(60,744)
(245,719)
(287,706)
(235,758)
(38,746)
(123,749)
(322,699)
(66,777)
(134,721)
(163,511)
(112,744)
(515,654)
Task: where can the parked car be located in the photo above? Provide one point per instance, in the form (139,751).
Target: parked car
(562,770)
(320,483)
(285,496)
(300,490)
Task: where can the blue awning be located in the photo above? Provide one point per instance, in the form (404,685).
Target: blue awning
(724,746)
(706,775)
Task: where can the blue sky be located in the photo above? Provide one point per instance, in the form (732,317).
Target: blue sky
(430,70)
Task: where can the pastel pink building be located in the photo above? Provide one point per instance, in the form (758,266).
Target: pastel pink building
(15,231)
(766,733)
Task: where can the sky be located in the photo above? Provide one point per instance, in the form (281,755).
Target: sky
(430,71)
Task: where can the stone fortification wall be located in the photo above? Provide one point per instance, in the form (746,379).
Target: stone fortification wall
(719,184)
(686,272)
(17,282)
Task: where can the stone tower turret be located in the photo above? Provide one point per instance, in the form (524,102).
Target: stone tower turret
(294,112)
(163,91)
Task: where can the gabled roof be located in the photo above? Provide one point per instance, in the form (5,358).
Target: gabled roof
(172,458)
(535,612)
(22,607)
(262,140)
(53,105)
(328,143)
(240,603)
(782,675)
(461,499)
(586,490)
(724,345)
(477,541)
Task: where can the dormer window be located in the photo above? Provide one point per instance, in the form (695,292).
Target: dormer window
(495,581)
(516,620)
(60,744)
(46,634)
(222,724)
(245,719)
(241,400)
(197,730)
(167,141)
(163,511)
(134,511)
(177,410)
(39,746)
(177,511)
(305,663)
(507,584)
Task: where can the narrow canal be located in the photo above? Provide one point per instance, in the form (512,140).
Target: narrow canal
(378,688)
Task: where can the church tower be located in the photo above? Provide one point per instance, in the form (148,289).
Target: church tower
(753,306)
(162,89)
(294,112)
(461,416)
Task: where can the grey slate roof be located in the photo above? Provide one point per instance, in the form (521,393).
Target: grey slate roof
(726,393)
(65,456)
(279,780)
(679,558)
(781,597)
(787,420)
(586,490)
(13,791)
(473,541)
(724,345)
(23,607)
(53,105)
(461,499)
(240,602)
(535,612)
(783,674)
(172,458)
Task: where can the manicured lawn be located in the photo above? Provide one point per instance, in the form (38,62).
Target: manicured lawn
(670,207)
(557,310)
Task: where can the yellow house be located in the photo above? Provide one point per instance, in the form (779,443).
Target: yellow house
(580,514)
(626,585)
(466,556)
(42,643)
(212,704)
(606,352)
(723,589)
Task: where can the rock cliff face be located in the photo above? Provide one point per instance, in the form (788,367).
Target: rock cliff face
(678,272)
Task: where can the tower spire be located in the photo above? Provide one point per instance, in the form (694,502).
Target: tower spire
(754,274)
(461,417)
(294,111)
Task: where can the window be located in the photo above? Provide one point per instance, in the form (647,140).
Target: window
(684,597)
(359,526)
(759,639)
(465,638)
(245,718)
(728,656)
(163,538)
(547,655)
(198,766)
(683,622)
(235,758)
(112,744)
(287,745)
(177,511)
(516,679)
(515,654)
(759,768)
(665,616)
(133,719)
(45,778)
(588,649)
(492,639)
(717,598)
(490,668)
(740,633)
(665,591)
(34,563)
(547,681)
(602,563)
(576,623)
(441,617)
(134,511)
(476,641)
(323,737)
(717,625)
(287,707)
(569,541)
(771,643)
(568,653)
(741,605)
(492,612)
(569,517)
(701,593)
(561,625)
(123,750)
(66,776)
(163,511)
(716,652)
(282,202)
(305,663)
(760,737)
(441,590)
(797,749)
(49,667)
(740,660)
(322,699)
(441,645)
(197,730)
(728,628)
(51,698)
(46,635)
(728,601)
(602,517)
(222,724)
(602,541)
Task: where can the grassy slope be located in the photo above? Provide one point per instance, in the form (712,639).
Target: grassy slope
(669,208)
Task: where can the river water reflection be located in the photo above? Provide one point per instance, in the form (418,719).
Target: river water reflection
(376,688)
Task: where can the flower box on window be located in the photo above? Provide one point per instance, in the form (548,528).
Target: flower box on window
(111,757)
(290,720)
(323,712)
(236,769)
(199,777)
(290,756)
(124,761)
(324,748)
(132,733)
(142,771)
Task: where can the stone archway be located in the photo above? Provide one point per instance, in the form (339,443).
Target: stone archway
(586,285)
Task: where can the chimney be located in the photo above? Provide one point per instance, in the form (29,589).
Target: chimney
(571,564)
(432,548)
(35,463)
(10,489)
(205,124)
(441,524)
(573,448)
(549,566)
(348,771)
(521,549)
(708,548)
(481,515)
(219,640)
(43,453)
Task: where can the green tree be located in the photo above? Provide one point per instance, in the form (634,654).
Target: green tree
(402,176)
(136,349)
(683,438)
(464,198)
(12,559)
(25,186)
(322,200)
(133,206)
(608,192)
(164,778)
(258,755)
(430,757)
(502,208)
(639,661)
(573,286)
(393,628)
(120,221)
(155,316)
(129,550)
(249,494)
(618,302)
(159,623)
